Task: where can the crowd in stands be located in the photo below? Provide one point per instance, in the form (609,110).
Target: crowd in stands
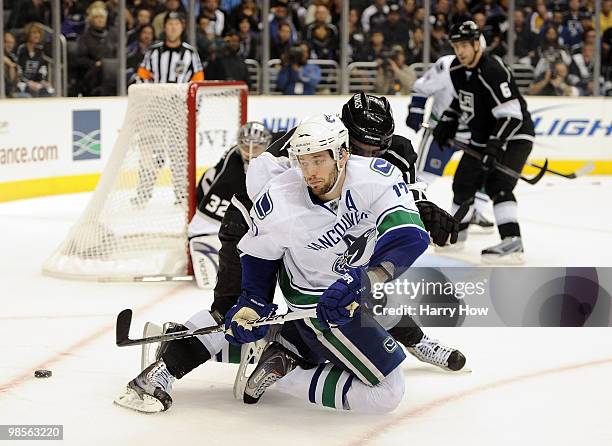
(556,38)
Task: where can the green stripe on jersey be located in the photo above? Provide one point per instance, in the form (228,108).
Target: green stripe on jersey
(344,350)
(293,296)
(329,388)
(400,217)
(234,353)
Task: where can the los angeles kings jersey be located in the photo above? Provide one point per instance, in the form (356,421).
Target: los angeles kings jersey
(489,102)
(317,241)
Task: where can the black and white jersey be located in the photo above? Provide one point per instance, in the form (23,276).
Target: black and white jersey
(489,102)
(219,184)
(163,64)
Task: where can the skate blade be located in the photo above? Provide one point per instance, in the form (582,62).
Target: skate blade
(477,229)
(131,400)
(455,247)
(515,258)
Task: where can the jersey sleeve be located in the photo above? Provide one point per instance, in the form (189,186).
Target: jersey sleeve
(262,170)
(198,70)
(503,99)
(144,73)
(264,239)
(401,235)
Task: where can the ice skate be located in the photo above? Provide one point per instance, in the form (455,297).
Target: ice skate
(508,252)
(479,224)
(276,361)
(148,392)
(431,351)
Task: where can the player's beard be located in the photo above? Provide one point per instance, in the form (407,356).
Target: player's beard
(327,185)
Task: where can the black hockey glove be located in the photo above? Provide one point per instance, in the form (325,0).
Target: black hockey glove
(441,225)
(446,129)
(491,154)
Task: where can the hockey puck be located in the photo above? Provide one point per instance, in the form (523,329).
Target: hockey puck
(43,373)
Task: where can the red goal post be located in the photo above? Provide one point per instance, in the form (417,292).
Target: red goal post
(135,224)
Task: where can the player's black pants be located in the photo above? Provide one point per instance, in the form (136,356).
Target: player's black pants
(470,177)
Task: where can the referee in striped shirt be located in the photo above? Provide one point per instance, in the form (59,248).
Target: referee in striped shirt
(171,61)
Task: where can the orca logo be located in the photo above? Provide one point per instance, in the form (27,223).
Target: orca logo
(330,118)
(355,250)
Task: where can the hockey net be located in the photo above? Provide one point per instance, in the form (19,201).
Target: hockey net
(135,225)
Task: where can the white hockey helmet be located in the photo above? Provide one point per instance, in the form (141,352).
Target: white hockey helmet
(319,133)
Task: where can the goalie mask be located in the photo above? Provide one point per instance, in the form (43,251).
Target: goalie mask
(253,140)
(319,133)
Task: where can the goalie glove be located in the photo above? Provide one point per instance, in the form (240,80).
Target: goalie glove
(248,308)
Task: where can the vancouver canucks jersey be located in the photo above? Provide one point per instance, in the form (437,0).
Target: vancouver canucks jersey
(317,241)
(436,82)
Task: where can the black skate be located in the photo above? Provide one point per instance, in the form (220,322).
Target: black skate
(508,252)
(276,361)
(148,392)
(431,351)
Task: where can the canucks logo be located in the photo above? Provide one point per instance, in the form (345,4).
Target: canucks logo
(356,247)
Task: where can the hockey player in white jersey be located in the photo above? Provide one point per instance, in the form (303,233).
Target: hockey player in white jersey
(338,225)
(432,159)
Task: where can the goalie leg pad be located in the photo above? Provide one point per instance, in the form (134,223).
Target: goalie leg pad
(205,260)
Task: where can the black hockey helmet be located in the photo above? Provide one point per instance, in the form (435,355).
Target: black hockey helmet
(369,119)
(467,31)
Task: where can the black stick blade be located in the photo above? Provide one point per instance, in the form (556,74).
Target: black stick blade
(540,174)
(124,320)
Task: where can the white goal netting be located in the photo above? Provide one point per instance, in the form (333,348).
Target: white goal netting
(135,224)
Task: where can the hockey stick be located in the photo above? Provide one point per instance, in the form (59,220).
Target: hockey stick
(124,321)
(584,170)
(504,169)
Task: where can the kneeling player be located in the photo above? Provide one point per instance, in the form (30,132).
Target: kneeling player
(310,220)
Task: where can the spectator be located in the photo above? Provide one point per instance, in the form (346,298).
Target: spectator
(280,16)
(204,39)
(283,42)
(526,42)
(137,51)
(582,69)
(225,62)
(297,76)
(570,30)
(605,16)
(95,44)
(441,7)
(33,67)
(311,12)
(553,82)
(375,49)
(28,11)
(323,43)
(393,76)
(460,12)
(247,10)
(396,30)
(588,38)
(356,35)
(158,21)
(73,22)
(586,19)
(11,68)
(440,45)
(143,17)
(249,40)
(550,51)
(408,10)
(415,47)
(374,16)
(540,18)
(216,17)
(322,17)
